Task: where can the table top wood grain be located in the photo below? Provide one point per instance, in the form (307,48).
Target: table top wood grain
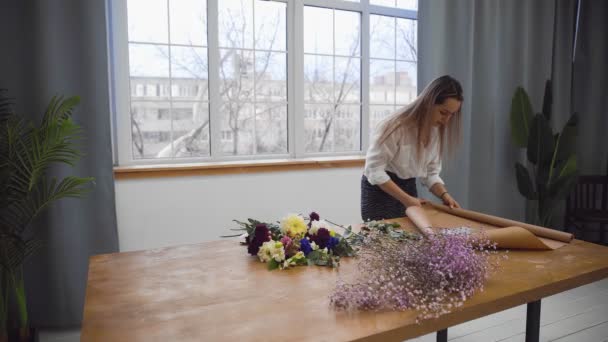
(215,291)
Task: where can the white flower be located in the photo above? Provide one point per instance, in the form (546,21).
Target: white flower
(314,246)
(316,225)
(272,250)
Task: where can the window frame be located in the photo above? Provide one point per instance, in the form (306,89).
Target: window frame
(120,89)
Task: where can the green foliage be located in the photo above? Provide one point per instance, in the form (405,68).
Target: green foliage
(551,172)
(320,258)
(27,151)
(272,264)
(521,117)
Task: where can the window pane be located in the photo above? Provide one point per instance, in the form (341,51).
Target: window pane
(270,25)
(271,128)
(237,121)
(388,3)
(318,79)
(236,23)
(406,82)
(188,22)
(271,76)
(376,115)
(318,128)
(347,33)
(150,129)
(236,75)
(148,21)
(348,79)
(408,4)
(189,73)
(407,39)
(347,128)
(190,129)
(382,82)
(382,37)
(318,30)
(148,60)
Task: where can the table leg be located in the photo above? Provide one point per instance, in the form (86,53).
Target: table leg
(533,321)
(442,335)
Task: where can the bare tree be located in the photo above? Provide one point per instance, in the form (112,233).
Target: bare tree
(235,91)
(237,88)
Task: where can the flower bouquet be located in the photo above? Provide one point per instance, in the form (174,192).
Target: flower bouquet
(431,273)
(296,241)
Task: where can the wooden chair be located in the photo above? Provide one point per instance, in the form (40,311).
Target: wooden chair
(588,204)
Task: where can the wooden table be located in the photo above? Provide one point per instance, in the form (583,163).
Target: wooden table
(216,291)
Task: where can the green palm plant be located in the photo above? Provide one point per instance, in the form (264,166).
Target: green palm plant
(26,153)
(551,171)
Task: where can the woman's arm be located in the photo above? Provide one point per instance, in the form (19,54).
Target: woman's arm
(439,190)
(394,190)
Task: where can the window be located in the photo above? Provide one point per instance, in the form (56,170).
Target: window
(209,80)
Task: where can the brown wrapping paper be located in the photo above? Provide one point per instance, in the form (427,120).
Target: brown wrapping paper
(505,233)
(502,222)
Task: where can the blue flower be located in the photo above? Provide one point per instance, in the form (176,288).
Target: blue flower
(333,242)
(305,246)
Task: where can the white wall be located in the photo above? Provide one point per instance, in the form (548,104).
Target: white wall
(168,211)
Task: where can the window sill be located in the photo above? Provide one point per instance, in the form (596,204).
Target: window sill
(224,168)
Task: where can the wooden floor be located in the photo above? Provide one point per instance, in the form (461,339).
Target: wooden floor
(578,315)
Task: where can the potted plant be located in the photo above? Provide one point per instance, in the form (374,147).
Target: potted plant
(551,171)
(26,153)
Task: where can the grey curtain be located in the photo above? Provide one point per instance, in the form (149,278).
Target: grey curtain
(492,47)
(590,85)
(59,47)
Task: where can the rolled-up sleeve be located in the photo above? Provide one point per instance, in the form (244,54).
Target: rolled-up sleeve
(378,156)
(433,169)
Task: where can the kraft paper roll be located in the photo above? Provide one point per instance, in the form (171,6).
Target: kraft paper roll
(516,238)
(502,222)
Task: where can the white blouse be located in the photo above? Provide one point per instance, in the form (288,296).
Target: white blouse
(397,154)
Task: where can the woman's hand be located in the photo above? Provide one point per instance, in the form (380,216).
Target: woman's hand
(449,201)
(413,201)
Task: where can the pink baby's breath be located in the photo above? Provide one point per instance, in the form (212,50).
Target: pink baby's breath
(433,275)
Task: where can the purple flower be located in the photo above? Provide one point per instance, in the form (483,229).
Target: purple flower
(433,275)
(261,235)
(314,216)
(286,241)
(321,238)
(305,246)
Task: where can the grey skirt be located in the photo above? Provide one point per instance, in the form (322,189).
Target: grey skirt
(378,205)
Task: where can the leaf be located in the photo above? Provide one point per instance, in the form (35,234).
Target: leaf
(272,265)
(524,183)
(563,186)
(569,167)
(540,141)
(547,100)
(566,145)
(521,117)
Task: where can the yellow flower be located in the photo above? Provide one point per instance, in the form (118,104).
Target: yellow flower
(294,226)
(332,233)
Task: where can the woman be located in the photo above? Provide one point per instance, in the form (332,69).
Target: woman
(409,144)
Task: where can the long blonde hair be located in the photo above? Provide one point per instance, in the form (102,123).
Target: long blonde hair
(418,114)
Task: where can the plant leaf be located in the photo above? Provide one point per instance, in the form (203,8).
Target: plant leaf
(563,186)
(521,117)
(566,145)
(569,167)
(547,100)
(272,265)
(524,182)
(540,141)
